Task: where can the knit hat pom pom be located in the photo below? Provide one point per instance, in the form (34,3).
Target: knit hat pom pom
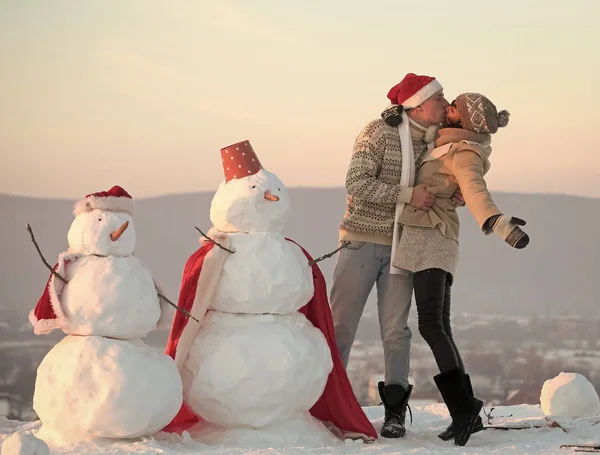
(503,118)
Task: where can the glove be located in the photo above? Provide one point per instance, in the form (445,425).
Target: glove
(508,228)
(393,115)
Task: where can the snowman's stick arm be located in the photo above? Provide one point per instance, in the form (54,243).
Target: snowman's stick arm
(37,247)
(213,241)
(187,313)
(328,255)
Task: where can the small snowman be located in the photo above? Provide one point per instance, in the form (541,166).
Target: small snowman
(264,353)
(102,380)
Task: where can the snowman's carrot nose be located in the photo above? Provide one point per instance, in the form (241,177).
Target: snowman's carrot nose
(114,236)
(270,196)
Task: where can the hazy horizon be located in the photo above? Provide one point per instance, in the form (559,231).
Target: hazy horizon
(144,93)
(212,191)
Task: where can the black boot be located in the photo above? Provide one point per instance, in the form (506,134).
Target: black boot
(464,409)
(395,400)
(448,433)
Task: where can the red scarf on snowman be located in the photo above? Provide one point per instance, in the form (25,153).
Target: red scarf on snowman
(337,407)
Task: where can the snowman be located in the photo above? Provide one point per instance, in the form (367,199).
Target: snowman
(264,354)
(102,380)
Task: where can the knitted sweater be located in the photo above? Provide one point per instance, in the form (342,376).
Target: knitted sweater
(373,182)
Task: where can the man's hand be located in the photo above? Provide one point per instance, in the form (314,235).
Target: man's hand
(458,198)
(421,198)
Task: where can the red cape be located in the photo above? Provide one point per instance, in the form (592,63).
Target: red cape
(337,403)
(48,314)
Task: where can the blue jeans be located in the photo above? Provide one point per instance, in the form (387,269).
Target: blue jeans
(360,266)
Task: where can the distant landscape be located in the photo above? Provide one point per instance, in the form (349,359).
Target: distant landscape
(553,279)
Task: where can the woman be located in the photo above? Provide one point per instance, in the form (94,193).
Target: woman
(428,244)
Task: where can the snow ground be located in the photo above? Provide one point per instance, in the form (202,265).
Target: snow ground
(420,439)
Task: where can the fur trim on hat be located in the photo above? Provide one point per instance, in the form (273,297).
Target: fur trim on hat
(108,203)
(423,95)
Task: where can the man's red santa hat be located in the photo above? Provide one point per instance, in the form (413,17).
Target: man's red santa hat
(414,90)
(48,313)
(337,407)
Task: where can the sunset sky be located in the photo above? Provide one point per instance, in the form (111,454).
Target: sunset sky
(144,93)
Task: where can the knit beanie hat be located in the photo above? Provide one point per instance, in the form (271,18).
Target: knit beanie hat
(478,113)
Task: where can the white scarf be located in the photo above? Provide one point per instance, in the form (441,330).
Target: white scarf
(407,179)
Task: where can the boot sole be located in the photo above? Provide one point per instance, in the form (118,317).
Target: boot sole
(392,435)
(447,435)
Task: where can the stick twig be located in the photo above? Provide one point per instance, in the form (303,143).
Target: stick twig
(37,247)
(489,415)
(328,255)
(187,313)
(213,241)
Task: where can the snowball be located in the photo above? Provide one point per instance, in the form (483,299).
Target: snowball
(266,274)
(98,387)
(90,233)
(255,370)
(240,205)
(569,395)
(110,296)
(24,443)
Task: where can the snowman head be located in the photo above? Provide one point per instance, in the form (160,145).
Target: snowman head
(102,232)
(103,224)
(251,199)
(258,203)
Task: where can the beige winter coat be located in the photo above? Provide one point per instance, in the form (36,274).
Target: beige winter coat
(446,168)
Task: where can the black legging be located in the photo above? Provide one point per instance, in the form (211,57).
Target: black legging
(432,295)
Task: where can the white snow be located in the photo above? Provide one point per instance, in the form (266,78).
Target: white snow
(24,443)
(570,395)
(110,296)
(99,387)
(421,438)
(240,205)
(302,429)
(90,233)
(255,370)
(266,274)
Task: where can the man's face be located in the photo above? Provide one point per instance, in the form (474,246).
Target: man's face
(434,109)
(452,119)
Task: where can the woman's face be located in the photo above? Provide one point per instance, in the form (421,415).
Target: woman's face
(452,119)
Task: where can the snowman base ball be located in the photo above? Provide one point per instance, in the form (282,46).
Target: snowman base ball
(90,387)
(255,370)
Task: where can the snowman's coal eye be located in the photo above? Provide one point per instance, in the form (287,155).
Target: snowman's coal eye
(99,219)
(253,186)
(278,189)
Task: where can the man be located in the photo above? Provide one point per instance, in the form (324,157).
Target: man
(378,184)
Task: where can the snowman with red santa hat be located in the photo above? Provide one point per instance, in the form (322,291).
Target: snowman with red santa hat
(102,380)
(262,367)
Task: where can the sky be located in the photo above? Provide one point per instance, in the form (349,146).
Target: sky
(144,93)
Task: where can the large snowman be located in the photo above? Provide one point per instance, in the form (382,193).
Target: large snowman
(264,354)
(102,380)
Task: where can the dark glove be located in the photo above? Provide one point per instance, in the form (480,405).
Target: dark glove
(508,228)
(393,115)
